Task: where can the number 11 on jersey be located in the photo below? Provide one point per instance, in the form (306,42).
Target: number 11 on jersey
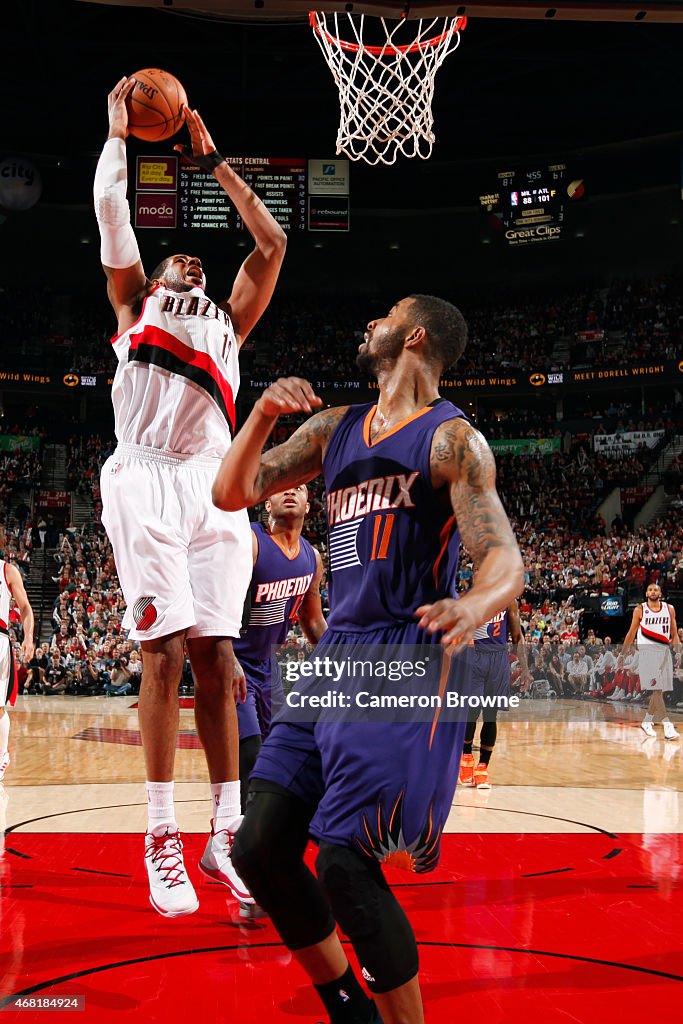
(381,536)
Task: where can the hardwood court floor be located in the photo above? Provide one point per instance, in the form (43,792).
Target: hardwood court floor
(558,895)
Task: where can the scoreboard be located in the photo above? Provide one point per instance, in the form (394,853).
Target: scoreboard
(173,192)
(530,204)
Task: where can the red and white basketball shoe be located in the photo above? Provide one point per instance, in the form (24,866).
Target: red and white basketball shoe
(216,862)
(171,892)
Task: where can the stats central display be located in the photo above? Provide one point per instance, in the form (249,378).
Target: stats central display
(279,183)
(174,192)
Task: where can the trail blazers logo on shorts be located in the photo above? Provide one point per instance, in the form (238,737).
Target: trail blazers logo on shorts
(144,613)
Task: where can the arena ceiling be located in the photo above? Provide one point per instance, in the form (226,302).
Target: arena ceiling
(513,87)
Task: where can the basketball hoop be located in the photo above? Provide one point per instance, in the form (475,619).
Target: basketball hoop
(386,90)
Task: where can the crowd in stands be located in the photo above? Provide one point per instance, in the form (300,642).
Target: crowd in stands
(320,338)
(88,652)
(557,665)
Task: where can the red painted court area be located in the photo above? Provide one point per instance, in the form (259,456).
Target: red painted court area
(582,927)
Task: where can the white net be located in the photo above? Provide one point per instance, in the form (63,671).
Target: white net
(386,90)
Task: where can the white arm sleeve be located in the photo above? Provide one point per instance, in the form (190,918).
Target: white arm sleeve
(118,248)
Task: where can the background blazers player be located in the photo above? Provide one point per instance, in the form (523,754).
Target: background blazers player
(402,478)
(285,586)
(653,628)
(490,677)
(184,567)
(11,586)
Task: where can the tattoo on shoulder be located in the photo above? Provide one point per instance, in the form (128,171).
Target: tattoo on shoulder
(324,423)
(299,459)
(461,458)
(459,443)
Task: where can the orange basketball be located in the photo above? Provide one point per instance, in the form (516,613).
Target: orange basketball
(154,105)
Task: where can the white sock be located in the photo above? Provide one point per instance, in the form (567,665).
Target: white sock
(649,718)
(666,721)
(226,804)
(160,809)
(4,733)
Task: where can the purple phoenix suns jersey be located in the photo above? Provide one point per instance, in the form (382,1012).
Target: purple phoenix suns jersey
(495,631)
(278,586)
(393,539)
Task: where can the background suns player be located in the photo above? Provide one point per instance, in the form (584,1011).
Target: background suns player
(11,587)
(184,566)
(653,628)
(404,478)
(285,586)
(490,677)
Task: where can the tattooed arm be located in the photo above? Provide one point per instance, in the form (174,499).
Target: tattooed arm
(462,461)
(247,475)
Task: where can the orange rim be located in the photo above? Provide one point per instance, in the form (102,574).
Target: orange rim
(377,51)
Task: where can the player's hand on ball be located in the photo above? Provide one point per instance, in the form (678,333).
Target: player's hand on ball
(202,143)
(239,683)
(455,618)
(118,112)
(287,395)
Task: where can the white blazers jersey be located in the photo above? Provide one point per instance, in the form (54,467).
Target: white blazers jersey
(178,376)
(655,627)
(5,596)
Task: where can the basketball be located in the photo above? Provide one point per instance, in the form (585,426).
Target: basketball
(154,105)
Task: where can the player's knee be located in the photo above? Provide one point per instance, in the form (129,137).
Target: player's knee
(350,883)
(212,665)
(162,668)
(369,914)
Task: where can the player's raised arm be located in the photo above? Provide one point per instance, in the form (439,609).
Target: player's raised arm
(247,475)
(256,279)
(126,281)
(462,461)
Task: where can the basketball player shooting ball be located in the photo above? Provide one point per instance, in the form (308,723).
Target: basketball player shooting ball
(405,479)
(184,566)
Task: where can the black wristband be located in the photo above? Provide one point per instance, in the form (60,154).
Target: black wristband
(208,162)
(213,160)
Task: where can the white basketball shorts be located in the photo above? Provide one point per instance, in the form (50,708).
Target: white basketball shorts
(655,667)
(183,564)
